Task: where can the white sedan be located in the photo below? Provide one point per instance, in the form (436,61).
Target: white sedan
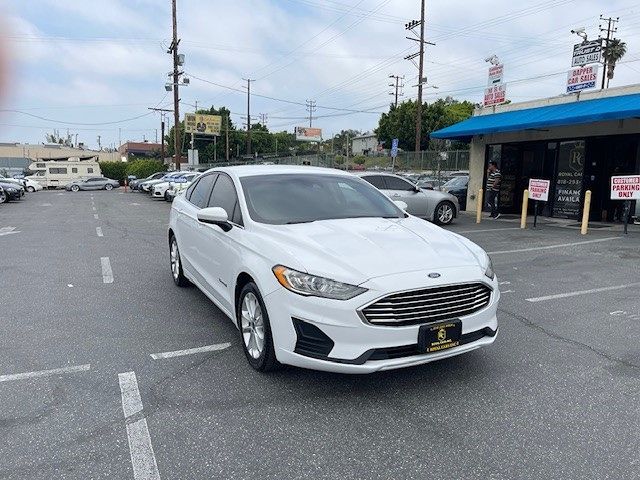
(319,269)
(159,190)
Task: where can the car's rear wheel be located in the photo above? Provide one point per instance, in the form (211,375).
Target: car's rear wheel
(3,197)
(176,264)
(31,189)
(445,211)
(255,329)
(75,188)
(108,186)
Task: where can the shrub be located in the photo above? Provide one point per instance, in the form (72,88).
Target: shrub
(114,170)
(144,167)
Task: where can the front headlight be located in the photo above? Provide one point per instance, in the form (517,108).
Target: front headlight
(489,270)
(310,285)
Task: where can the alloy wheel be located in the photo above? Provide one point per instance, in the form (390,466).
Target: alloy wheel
(108,186)
(445,213)
(75,188)
(3,197)
(175,260)
(253,330)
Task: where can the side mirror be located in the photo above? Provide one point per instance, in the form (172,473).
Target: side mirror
(401,205)
(215,216)
(416,189)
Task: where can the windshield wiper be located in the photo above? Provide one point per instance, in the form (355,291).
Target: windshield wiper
(299,221)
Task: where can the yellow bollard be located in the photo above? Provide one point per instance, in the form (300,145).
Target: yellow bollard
(585,212)
(479,206)
(525,205)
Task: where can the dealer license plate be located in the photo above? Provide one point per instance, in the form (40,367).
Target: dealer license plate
(439,336)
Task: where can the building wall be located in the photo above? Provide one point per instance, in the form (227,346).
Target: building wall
(359,145)
(479,143)
(34,151)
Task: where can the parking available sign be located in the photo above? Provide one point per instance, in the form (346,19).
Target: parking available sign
(625,187)
(539,189)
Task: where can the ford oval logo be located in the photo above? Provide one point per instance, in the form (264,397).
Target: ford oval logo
(434,275)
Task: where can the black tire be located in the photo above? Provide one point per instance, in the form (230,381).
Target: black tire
(176,269)
(266,361)
(3,197)
(445,213)
(75,188)
(108,186)
(31,189)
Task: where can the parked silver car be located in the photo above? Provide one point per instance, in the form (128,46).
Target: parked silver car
(92,183)
(438,207)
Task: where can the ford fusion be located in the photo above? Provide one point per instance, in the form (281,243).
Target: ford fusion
(319,269)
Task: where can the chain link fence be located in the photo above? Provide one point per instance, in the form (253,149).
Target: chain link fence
(428,161)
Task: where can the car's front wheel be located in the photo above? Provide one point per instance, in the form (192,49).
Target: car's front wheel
(176,264)
(75,188)
(108,186)
(31,189)
(445,211)
(3,196)
(255,329)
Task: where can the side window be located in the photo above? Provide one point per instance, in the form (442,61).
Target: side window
(375,180)
(57,170)
(395,183)
(89,170)
(201,192)
(41,165)
(74,170)
(237,215)
(224,195)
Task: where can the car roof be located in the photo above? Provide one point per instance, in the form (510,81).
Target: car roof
(254,170)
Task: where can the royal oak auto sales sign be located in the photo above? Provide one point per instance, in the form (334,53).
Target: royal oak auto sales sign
(625,187)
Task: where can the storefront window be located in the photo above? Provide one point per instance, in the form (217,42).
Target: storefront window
(569,180)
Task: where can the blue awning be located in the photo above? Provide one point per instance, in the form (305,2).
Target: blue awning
(573,113)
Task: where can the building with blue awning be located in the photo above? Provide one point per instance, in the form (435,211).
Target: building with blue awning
(577,141)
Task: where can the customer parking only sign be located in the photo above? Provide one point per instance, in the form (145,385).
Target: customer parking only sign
(539,189)
(625,187)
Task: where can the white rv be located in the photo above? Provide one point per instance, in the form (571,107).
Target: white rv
(57,173)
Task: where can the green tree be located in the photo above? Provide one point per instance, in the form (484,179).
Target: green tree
(400,121)
(613,52)
(114,170)
(144,167)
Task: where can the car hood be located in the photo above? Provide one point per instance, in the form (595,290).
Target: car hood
(356,250)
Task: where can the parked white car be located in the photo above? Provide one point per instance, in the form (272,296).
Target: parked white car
(32,186)
(159,190)
(176,188)
(319,269)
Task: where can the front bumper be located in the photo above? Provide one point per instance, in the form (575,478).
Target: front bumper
(359,347)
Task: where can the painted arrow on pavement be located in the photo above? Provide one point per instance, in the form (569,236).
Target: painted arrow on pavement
(8,231)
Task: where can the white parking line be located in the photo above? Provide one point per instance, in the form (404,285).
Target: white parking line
(99,231)
(94,209)
(489,230)
(143,459)
(190,351)
(107,273)
(581,292)
(95,215)
(45,373)
(547,247)
(504,283)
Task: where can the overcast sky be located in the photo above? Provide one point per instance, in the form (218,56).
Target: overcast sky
(104,61)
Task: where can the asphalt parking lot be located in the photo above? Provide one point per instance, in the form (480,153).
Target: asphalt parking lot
(98,379)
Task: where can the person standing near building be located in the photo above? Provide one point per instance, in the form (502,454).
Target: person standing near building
(494,179)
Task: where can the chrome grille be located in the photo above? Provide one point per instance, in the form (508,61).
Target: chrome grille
(428,305)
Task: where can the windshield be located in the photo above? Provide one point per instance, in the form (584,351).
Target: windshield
(301,198)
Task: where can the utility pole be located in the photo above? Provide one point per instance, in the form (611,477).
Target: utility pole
(248,80)
(195,107)
(176,99)
(311,107)
(611,29)
(99,146)
(398,85)
(421,78)
(226,133)
(163,112)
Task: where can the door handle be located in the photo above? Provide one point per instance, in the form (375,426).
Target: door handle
(395,195)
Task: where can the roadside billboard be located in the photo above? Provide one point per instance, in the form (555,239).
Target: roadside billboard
(539,189)
(581,78)
(586,53)
(308,134)
(202,124)
(625,187)
(495,95)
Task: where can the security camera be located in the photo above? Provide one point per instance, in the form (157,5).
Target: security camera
(578,30)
